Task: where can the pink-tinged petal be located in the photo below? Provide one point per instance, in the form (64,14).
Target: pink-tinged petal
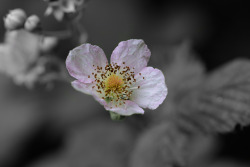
(87,89)
(152,91)
(127,109)
(97,98)
(80,62)
(82,87)
(133,52)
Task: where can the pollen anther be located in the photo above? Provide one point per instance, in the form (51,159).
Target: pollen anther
(114,83)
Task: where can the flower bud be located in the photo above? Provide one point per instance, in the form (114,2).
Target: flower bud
(32,23)
(15,19)
(48,43)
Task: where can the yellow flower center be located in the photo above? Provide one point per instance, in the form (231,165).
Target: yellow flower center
(114,83)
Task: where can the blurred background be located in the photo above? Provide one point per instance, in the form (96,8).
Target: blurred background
(62,127)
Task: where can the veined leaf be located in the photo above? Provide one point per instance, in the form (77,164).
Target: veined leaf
(171,145)
(222,101)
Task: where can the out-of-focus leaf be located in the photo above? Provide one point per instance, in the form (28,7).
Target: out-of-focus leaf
(216,104)
(180,65)
(67,107)
(19,121)
(98,143)
(182,70)
(222,101)
(170,145)
(185,70)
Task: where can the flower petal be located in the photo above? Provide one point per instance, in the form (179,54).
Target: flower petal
(97,98)
(133,52)
(127,109)
(82,87)
(87,89)
(80,61)
(152,91)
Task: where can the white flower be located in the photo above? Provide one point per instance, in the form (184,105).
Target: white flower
(123,86)
(32,23)
(20,56)
(15,19)
(19,52)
